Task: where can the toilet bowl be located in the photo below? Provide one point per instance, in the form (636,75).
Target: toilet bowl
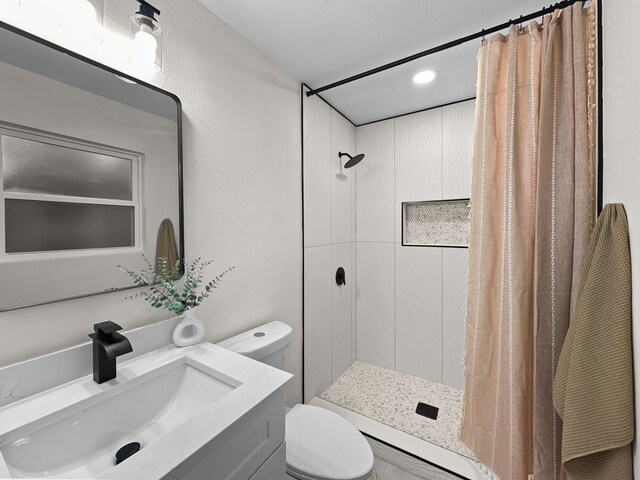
(320,444)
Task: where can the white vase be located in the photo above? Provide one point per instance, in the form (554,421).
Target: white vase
(189,330)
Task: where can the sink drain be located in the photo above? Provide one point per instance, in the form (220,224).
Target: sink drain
(126,451)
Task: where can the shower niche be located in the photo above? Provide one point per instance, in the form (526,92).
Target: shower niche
(436,223)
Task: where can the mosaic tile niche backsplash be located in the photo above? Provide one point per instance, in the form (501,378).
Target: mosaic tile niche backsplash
(442,223)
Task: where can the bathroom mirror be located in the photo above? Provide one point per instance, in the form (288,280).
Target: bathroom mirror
(90,167)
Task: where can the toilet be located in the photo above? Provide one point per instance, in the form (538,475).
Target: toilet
(321,445)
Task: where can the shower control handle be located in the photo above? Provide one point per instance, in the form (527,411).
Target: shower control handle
(340,277)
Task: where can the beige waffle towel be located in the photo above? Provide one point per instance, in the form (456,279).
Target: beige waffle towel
(166,246)
(593,388)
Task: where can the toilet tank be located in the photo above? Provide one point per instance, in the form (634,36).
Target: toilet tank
(266,343)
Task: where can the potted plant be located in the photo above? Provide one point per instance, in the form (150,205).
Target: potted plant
(164,291)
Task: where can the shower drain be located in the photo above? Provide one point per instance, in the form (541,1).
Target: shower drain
(427,410)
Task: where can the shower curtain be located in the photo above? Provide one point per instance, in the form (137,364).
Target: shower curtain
(532,210)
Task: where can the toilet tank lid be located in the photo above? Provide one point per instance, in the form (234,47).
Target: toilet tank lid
(261,341)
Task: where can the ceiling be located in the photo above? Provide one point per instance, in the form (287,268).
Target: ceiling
(321,41)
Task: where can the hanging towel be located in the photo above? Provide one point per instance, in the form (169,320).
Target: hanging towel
(166,246)
(593,387)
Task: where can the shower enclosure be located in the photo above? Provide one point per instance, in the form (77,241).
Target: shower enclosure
(388,344)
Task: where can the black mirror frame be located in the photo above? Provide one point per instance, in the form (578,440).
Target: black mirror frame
(181,251)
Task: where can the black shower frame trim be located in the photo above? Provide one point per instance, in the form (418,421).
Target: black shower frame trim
(130,78)
(455,102)
(302,94)
(600,103)
(302,99)
(446,46)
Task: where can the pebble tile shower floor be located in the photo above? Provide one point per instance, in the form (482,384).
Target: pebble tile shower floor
(391,398)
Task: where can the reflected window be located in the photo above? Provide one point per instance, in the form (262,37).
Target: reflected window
(63,195)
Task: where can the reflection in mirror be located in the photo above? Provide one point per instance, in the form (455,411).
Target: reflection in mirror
(90,169)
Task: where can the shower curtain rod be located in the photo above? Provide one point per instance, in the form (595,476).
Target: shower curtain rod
(446,46)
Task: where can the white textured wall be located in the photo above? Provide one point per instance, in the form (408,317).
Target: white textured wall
(411,301)
(329,236)
(621,108)
(242,190)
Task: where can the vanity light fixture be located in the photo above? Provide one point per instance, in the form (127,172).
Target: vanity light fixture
(425,76)
(147,52)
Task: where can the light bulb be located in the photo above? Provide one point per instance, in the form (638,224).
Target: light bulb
(145,45)
(426,76)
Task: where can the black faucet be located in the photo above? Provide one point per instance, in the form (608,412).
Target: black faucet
(108,344)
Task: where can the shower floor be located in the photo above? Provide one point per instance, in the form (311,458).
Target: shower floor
(391,398)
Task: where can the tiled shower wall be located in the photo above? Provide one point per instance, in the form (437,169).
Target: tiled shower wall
(329,243)
(411,301)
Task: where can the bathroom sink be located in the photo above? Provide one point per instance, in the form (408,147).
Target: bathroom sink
(81,442)
(158,400)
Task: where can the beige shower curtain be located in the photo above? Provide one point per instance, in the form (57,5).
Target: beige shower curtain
(532,210)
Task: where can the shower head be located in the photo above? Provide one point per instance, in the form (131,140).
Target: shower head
(353,160)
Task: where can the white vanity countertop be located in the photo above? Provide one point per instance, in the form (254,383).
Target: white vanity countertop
(253,382)
(35,375)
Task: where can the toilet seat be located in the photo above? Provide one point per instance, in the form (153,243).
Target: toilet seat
(321,445)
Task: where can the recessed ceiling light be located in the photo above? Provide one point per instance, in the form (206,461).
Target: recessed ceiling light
(426,76)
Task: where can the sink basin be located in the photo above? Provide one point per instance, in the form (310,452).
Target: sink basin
(83,443)
(159,400)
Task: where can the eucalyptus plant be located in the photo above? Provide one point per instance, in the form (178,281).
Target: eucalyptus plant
(163,292)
